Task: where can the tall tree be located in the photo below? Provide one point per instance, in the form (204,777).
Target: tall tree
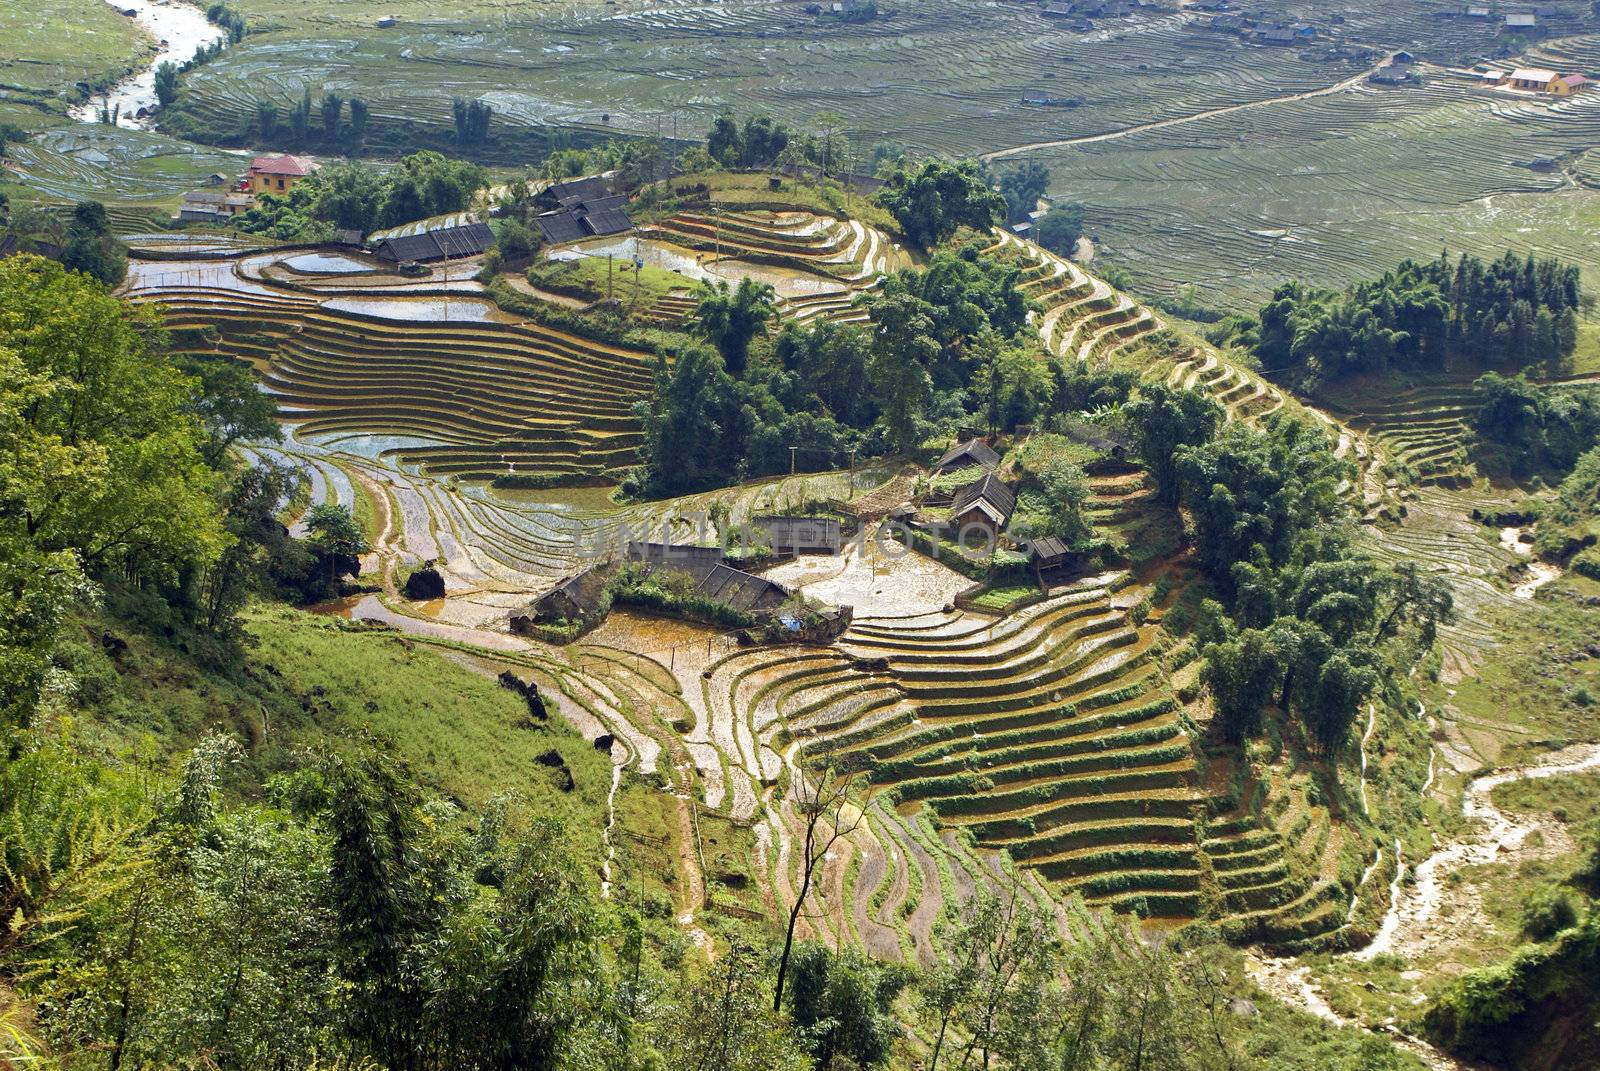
(932,201)
(730,319)
(819,801)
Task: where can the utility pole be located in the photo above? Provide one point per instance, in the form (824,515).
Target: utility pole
(792,449)
(852,471)
(608,277)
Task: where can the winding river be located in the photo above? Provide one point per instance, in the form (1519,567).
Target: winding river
(180,28)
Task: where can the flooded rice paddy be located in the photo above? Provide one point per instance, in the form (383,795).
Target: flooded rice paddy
(330,264)
(421,309)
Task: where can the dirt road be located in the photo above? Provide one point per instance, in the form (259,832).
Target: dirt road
(1162,124)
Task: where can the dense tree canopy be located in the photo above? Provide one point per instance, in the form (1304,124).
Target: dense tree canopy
(952,339)
(1418,316)
(358,197)
(1059,229)
(731,317)
(932,201)
(91,247)
(1536,428)
(1022,186)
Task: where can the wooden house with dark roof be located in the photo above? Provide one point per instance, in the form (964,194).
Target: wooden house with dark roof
(985,503)
(964,455)
(574,192)
(713,578)
(741,590)
(453,242)
(1049,553)
(560,227)
(579,597)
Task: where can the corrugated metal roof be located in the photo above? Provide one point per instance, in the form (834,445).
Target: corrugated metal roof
(432,223)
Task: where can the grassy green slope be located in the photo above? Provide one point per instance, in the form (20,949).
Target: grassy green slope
(306,679)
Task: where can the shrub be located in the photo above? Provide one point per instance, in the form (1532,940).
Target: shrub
(1547,912)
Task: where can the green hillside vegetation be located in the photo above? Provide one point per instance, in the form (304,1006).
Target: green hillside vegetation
(1419,316)
(344,846)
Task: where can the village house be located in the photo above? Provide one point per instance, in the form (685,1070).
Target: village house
(213,206)
(1280,35)
(1393,75)
(1550,83)
(584,208)
(278,174)
(1521,20)
(963,455)
(986,503)
(450,240)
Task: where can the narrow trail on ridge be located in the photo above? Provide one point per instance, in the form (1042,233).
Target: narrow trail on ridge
(1162,124)
(1413,924)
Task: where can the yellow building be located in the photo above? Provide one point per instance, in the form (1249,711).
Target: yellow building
(1550,83)
(278,174)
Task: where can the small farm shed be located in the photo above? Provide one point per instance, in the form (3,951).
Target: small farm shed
(964,455)
(1047,554)
(1521,20)
(985,503)
(576,598)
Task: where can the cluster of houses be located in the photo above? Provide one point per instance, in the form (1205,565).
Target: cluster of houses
(1260,27)
(581,208)
(1519,20)
(277,175)
(984,505)
(1076,14)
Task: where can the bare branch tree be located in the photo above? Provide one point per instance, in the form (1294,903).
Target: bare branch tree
(821,802)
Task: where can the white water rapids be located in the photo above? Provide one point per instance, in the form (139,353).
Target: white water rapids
(181,28)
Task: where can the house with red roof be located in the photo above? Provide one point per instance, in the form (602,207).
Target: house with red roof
(278,174)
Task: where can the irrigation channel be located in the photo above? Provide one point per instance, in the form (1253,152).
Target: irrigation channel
(1414,924)
(180,28)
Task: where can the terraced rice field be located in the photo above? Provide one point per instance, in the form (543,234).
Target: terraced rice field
(817,265)
(1042,751)
(447,385)
(932,76)
(1323,188)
